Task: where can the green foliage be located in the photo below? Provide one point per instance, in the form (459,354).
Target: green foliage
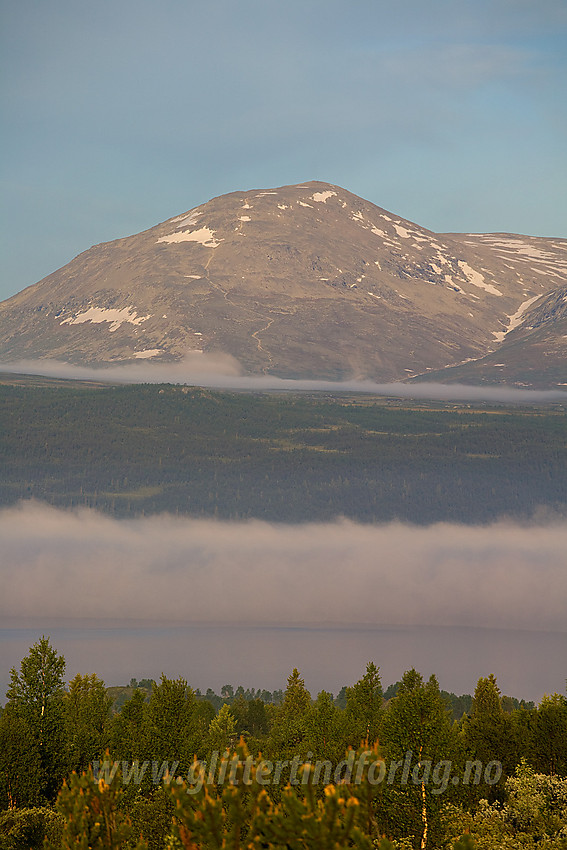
(86,713)
(34,690)
(364,706)
(549,735)
(171,727)
(414,802)
(151,817)
(417,719)
(119,694)
(533,815)
(22,775)
(296,698)
(536,803)
(418,736)
(326,729)
(465,842)
(488,732)
(254,719)
(242,814)
(126,733)
(27,829)
(288,736)
(35,697)
(222,729)
(92,816)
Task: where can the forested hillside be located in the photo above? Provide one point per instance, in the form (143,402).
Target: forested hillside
(143,449)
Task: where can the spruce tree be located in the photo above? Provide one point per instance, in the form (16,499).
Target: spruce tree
(364,707)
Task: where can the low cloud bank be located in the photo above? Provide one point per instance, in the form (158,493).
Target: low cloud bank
(61,563)
(221,371)
(194,368)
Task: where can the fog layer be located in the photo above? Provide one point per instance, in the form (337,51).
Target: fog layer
(221,371)
(246,602)
(61,563)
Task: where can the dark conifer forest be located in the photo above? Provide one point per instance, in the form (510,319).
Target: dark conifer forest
(135,450)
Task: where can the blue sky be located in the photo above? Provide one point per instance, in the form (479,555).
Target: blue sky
(122,113)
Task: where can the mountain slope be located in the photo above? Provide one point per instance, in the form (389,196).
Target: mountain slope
(300,281)
(533,353)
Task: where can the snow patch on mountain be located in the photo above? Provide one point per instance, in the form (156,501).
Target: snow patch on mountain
(548,272)
(97,315)
(186,218)
(322,197)
(515,319)
(147,353)
(520,249)
(204,236)
(477,279)
(519,246)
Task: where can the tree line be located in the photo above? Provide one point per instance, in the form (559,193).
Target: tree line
(76,773)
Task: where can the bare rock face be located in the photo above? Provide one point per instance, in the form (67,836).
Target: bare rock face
(302,281)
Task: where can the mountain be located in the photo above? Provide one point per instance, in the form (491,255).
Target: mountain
(303,281)
(534,353)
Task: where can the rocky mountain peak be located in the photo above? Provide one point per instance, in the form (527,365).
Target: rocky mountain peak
(306,280)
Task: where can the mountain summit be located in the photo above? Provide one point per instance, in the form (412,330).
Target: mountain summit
(303,281)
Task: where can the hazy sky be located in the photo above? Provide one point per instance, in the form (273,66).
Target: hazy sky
(245,602)
(122,113)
